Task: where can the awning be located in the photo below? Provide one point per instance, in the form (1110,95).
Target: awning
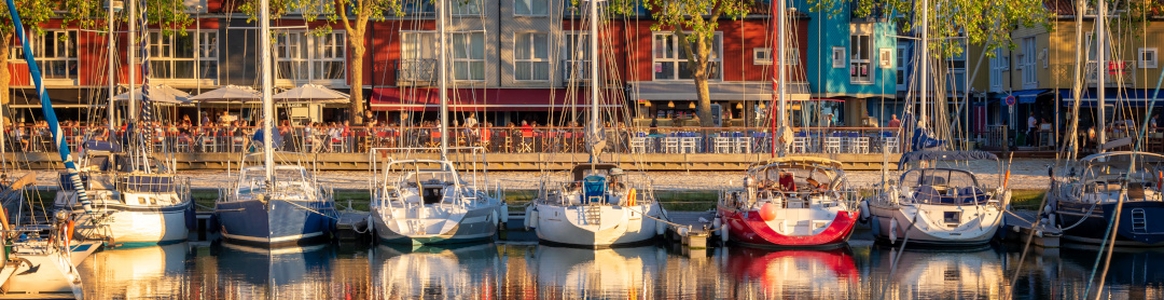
(1028,96)
(1125,97)
(418,99)
(719,91)
(313,93)
(229,94)
(159,93)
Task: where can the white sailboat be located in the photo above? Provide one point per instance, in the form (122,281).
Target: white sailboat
(274,205)
(930,205)
(138,199)
(427,201)
(597,207)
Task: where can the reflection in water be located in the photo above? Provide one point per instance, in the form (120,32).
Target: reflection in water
(797,274)
(521,271)
(151,270)
(936,274)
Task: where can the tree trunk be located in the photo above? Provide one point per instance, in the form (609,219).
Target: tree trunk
(356,40)
(5,74)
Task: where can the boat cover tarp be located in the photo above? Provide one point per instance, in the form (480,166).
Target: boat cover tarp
(944,156)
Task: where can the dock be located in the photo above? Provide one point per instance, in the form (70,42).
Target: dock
(353,225)
(1016,228)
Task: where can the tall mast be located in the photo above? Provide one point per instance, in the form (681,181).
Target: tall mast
(593,44)
(925,59)
(1100,82)
(131,109)
(443,92)
(268,106)
(112,76)
(781,92)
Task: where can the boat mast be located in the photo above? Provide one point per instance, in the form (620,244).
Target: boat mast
(112,76)
(925,57)
(593,44)
(131,109)
(1100,63)
(781,92)
(443,92)
(268,107)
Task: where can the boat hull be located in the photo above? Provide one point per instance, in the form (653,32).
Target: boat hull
(43,276)
(749,228)
(276,222)
(1094,223)
(891,223)
(617,226)
(131,225)
(431,224)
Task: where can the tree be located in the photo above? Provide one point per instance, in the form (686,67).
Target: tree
(690,21)
(33,13)
(355,22)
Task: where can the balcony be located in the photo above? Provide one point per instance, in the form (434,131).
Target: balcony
(575,72)
(1118,73)
(416,72)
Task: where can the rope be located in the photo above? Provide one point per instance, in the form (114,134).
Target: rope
(309,209)
(1027,246)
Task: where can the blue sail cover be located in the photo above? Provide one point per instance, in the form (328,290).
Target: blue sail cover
(944,156)
(50,116)
(923,140)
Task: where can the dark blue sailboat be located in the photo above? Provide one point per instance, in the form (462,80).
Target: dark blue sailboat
(1085,205)
(274,205)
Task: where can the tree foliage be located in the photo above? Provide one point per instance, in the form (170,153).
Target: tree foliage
(693,21)
(982,22)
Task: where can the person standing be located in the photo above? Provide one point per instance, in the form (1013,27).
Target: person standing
(894,122)
(1032,125)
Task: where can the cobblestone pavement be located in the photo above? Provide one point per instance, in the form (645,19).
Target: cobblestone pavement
(1025,174)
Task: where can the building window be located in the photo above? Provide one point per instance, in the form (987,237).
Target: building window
(956,69)
(1147,58)
(189,56)
(762,56)
(466,8)
(860,58)
(1027,59)
(418,56)
(302,55)
(998,64)
(468,55)
(55,52)
(575,56)
(838,57)
(531,56)
(900,64)
(671,61)
(529,7)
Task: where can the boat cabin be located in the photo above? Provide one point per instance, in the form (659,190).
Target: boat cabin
(944,186)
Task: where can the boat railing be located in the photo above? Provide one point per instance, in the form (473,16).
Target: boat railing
(149,184)
(789,199)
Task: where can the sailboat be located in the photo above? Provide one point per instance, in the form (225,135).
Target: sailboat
(427,201)
(932,205)
(1101,188)
(598,207)
(789,201)
(35,259)
(274,205)
(138,200)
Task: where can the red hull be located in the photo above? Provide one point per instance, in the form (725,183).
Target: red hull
(747,227)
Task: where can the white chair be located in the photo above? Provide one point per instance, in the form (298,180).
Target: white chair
(892,144)
(723,144)
(339,145)
(238,144)
(638,144)
(800,145)
(181,145)
(159,143)
(209,144)
(743,144)
(860,145)
(688,145)
(671,144)
(832,144)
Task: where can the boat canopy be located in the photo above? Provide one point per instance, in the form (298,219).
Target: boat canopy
(581,170)
(1099,158)
(944,156)
(799,160)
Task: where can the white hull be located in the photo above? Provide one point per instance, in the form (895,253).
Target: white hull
(130,224)
(54,277)
(976,225)
(435,223)
(617,225)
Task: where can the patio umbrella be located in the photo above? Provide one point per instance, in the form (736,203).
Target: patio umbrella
(313,93)
(159,93)
(228,95)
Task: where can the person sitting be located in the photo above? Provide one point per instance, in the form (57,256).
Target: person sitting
(787,182)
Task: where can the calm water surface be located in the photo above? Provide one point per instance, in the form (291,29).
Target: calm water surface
(529,271)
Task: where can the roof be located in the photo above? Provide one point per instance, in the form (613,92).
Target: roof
(944,156)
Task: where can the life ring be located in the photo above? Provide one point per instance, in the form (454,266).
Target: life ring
(630,197)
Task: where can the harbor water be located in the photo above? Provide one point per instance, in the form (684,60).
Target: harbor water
(526,270)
